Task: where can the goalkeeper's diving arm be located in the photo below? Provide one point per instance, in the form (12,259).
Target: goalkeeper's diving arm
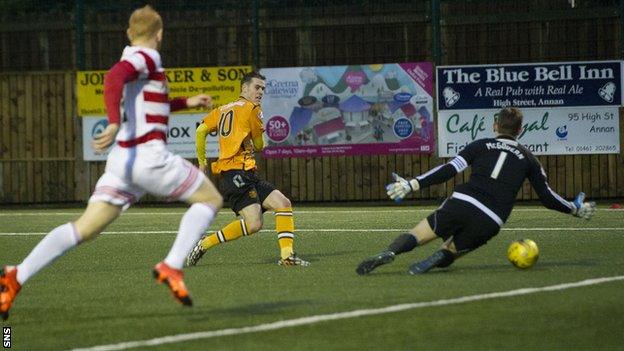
(401,186)
(439,174)
(551,200)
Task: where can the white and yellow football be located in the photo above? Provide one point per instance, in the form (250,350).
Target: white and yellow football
(523,253)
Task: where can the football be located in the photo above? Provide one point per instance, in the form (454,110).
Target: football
(523,253)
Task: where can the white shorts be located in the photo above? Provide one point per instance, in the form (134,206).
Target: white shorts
(146,168)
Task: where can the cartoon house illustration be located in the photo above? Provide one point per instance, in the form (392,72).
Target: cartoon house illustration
(424,114)
(331,100)
(325,114)
(310,102)
(329,132)
(355,112)
(402,109)
(426,123)
(299,120)
(409,110)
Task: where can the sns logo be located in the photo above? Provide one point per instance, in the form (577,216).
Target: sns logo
(562,132)
(6,337)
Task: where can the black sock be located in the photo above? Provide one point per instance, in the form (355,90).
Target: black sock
(441,258)
(403,243)
(446,258)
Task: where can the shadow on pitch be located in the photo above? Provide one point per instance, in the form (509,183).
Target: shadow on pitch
(568,263)
(264,308)
(194,314)
(314,257)
(540,265)
(380,272)
(458,268)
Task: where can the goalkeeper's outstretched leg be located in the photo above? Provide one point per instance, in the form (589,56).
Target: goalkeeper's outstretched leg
(370,263)
(406,242)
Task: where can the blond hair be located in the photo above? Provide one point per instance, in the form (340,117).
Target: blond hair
(144,23)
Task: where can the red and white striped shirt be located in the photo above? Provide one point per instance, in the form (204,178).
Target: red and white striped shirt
(140,78)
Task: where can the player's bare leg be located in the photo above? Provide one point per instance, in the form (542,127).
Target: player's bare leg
(205,203)
(92,222)
(285,227)
(420,235)
(95,219)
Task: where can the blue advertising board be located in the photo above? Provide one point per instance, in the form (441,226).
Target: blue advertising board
(530,85)
(568,107)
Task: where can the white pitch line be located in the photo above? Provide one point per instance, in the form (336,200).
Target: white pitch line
(170,339)
(78,212)
(334,230)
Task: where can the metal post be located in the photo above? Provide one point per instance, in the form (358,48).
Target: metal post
(435,32)
(79,38)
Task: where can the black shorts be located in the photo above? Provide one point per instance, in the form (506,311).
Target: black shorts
(468,225)
(243,188)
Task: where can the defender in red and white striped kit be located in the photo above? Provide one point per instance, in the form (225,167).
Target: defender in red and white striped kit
(138,163)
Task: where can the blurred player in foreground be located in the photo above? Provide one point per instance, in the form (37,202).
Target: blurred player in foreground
(138,163)
(477,209)
(240,130)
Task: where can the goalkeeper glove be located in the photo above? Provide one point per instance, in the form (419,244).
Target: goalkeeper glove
(583,209)
(401,187)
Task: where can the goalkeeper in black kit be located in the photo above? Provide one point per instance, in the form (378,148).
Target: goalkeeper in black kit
(477,209)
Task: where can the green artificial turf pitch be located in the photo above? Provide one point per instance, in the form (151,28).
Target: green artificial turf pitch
(102,293)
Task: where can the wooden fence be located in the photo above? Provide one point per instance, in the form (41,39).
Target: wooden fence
(41,157)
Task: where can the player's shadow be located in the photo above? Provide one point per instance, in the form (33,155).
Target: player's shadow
(315,257)
(195,314)
(380,273)
(491,267)
(539,265)
(264,308)
(103,316)
(585,262)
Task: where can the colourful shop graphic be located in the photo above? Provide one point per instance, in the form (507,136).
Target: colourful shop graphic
(349,110)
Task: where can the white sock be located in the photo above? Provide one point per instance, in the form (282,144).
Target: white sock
(53,245)
(192,226)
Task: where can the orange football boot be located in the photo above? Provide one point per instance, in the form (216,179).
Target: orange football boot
(174,280)
(9,287)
